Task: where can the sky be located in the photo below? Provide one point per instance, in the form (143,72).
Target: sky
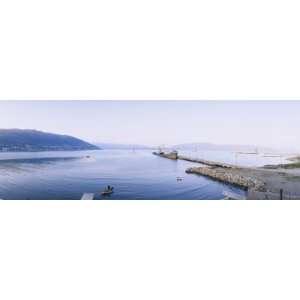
(259,123)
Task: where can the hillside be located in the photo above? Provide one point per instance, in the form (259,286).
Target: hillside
(17,140)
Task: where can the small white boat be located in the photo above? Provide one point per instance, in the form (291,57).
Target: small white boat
(229,195)
(87,196)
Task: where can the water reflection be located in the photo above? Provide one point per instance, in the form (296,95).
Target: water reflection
(138,175)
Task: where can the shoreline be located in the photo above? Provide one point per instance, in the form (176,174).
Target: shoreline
(261,183)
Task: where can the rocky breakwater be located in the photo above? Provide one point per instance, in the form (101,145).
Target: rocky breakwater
(240,177)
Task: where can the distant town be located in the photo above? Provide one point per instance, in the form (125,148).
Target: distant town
(31,148)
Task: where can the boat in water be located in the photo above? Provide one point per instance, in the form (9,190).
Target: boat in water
(109,190)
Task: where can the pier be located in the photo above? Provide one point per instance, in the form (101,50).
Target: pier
(208,162)
(87,196)
(174,155)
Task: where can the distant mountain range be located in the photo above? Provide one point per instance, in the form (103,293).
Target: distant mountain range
(123,146)
(208,146)
(17,140)
(194,147)
(188,147)
(224,147)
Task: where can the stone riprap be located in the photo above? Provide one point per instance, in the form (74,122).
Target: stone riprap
(232,176)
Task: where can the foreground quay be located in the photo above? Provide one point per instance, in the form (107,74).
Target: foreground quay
(259,182)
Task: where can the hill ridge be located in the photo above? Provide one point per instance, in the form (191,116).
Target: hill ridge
(18,140)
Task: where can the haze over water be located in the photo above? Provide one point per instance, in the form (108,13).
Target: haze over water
(255,123)
(139,174)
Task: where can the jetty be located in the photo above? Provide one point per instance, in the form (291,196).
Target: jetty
(171,155)
(174,155)
(207,162)
(259,182)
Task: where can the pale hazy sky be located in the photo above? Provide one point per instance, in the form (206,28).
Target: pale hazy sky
(269,123)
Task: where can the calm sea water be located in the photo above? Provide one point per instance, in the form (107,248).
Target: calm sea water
(134,175)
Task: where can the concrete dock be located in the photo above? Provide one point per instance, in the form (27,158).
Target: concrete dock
(207,162)
(87,196)
(174,155)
